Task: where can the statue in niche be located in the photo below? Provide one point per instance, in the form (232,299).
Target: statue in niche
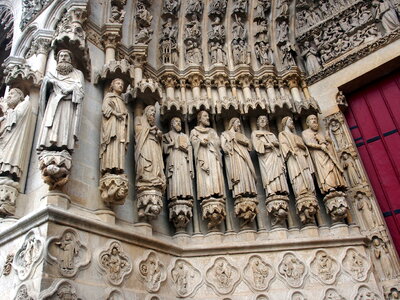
(115,131)
(283,8)
(117,14)
(238,30)
(70,249)
(382,258)
(150,177)
(350,169)
(143,15)
(287,55)
(195,7)
(240,7)
(208,161)
(264,53)
(282,32)
(240,53)
(193,53)
(179,166)
(193,29)
(217,8)
(240,170)
(171,7)
(14,124)
(61,95)
(217,32)
(273,171)
(336,130)
(386,13)
(299,166)
(328,170)
(310,54)
(262,8)
(217,53)
(272,165)
(364,205)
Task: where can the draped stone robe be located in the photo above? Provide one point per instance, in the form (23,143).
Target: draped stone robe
(14,132)
(148,156)
(114,134)
(239,167)
(210,179)
(179,165)
(298,163)
(272,165)
(329,176)
(60,125)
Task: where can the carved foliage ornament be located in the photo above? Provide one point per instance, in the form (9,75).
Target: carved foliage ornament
(151,272)
(7,267)
(68,253)
(186,278)
(114,263)
(29,255)
(324,267)
(292,270)
(258,274)
(356,265)
(222,276)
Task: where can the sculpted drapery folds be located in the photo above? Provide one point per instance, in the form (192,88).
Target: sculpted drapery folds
(148,152)
(207,154)
(61,94)
(272,165)
(14,125)
(115,132)
(240,169)
(179,166)
(328,171)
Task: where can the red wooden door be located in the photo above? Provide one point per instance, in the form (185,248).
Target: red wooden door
(374,120)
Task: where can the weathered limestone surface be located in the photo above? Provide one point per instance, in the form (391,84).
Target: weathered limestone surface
(172,136)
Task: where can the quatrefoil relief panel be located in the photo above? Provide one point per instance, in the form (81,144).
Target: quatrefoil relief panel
(68,253)
(258,274)
(114,263)
(292,270)
(186,278)
(324,267)
(151,272)
(356,265)
(222,276)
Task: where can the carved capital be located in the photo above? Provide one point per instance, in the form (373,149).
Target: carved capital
(293,81)
(55,167)
(8,196)
(220,80)
(40,45)
(78,13)
(245,80)
(269,82)
(111,39)
(114,188)
(195,80)
(213,210)
(169,81)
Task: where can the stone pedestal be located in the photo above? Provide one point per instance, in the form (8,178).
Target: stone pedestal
(57,199)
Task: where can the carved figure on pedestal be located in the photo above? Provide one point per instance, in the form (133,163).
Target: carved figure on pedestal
(300,169)
(350,169)
(208,162)
(193,53)
(150,177)
(195,7)
(240,171)
(336,130)
(310,54)
(15,121)
(386,13)
(179,169)
(61,97)
(264,53)
(217,8)
(328,171)
(171,7)
(114,141)
(382,258)
(273,171)
(282,32)
(364,205)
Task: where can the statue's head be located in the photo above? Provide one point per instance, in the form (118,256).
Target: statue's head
(235,124)
(14,97)
(262,122)
(64,62)
(117,86)
(176,124)
(287,122)
(203,118)
(150,113)
(312,122)
(334,124)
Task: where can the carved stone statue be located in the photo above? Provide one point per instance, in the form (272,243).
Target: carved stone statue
(194,7)
(328,171)
(15,121)
(240,171)
(152,272)
(337,133)
(113,145)
(382,258)
(264,53)
(217,8)
(61,96)
(150,177)
(171,7)
(300,169)
(179,170)
(273,171)
(310,54)
(350,169)
(364,206)
(386,13)
(209,176)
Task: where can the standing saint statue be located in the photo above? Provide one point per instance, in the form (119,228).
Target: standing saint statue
(114,141)
(240,171)
(299,167)
(179,169)
(328,171)
(273,171)
(115,131)
(61,94)
(208,162)
(15,121)
(150,177)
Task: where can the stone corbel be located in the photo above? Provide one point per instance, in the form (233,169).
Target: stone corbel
(111,38)
(245,81)
(195,83)
(20,75)
(170,82)
(294,83)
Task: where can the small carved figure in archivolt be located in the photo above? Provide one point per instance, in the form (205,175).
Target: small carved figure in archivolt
(382,258)
(364,206)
